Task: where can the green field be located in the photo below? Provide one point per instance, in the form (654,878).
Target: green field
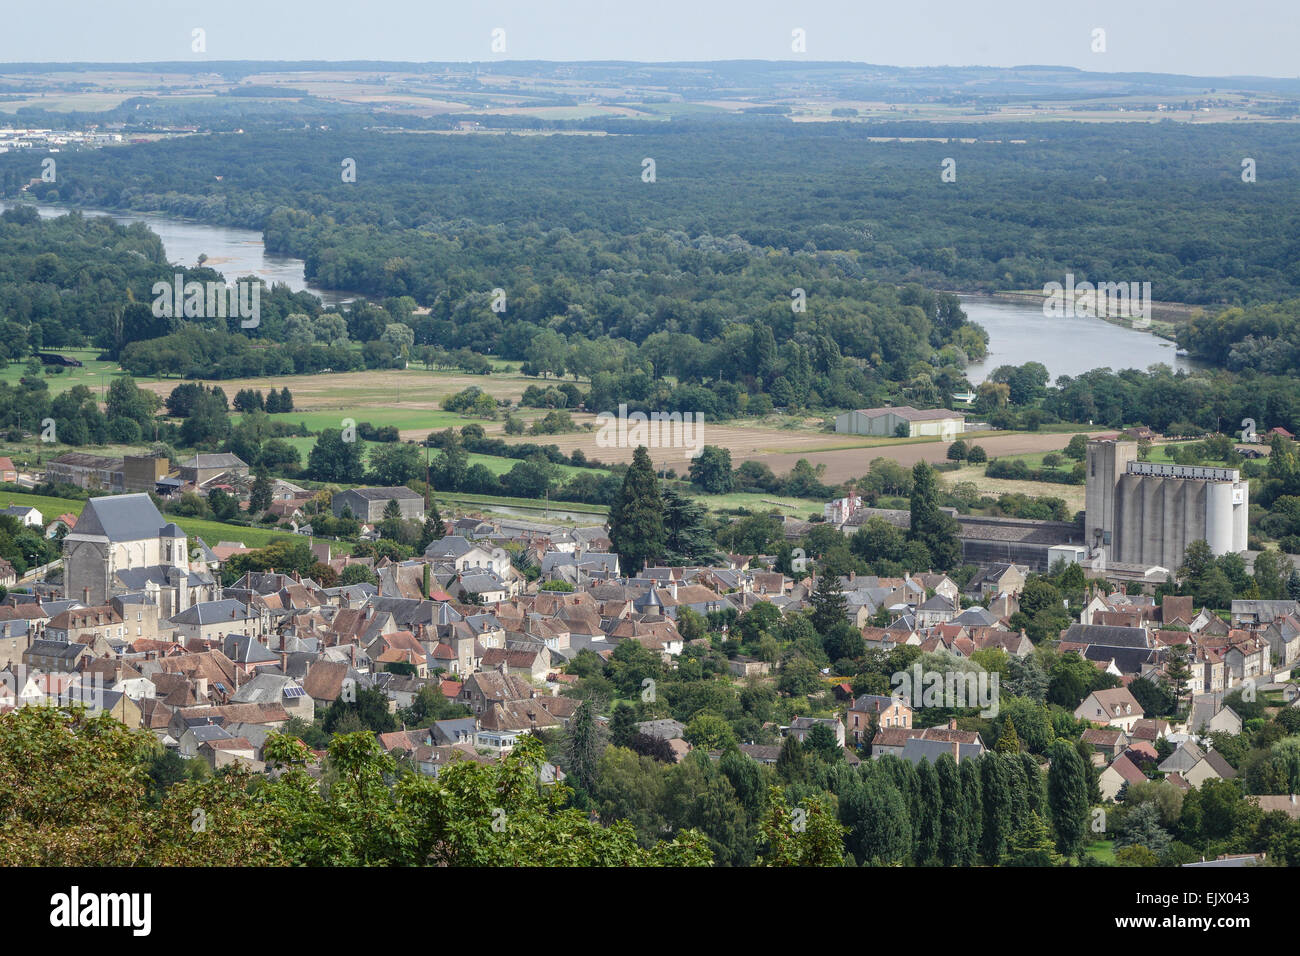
(210,531)
(402,418)
(95,375)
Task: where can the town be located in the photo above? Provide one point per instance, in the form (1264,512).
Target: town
(713,438)
(500,629)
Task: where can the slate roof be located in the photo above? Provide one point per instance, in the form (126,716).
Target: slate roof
(1106,634)
(1128,660)
(387,494)
(121,518)
(222,460)
(213,612)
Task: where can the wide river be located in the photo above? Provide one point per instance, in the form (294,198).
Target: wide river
(232,252)
(1018,332)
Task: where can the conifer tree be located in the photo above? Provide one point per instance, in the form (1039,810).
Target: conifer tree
(1008,740)
(1067,797)
(636,522)
(995,800)
(829,606)
(930,526)
(433,529)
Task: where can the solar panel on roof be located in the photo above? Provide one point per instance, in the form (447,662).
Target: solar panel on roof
(292,692)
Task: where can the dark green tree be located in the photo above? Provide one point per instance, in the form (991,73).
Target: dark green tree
(711,470)
(334,459)
(1067,796)
(791,765)
(584,748)
(995,798)
(829,606)
(952,817)
(636,521)
(259,498)
(928,815)
(433,528)
(930,526)
(622,725)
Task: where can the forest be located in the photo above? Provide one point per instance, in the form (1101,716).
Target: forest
(428,215)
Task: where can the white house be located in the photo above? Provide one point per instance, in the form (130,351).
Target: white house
(1116,707)
(27,515)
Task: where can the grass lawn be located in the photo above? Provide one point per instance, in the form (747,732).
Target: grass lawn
(210,531)
(499,466)
(377,415)
(95,375)
(1102,850)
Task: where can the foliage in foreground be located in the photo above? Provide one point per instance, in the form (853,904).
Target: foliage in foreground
(76,790)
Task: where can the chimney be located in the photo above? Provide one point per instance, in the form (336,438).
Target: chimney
(956,751)
(952,724)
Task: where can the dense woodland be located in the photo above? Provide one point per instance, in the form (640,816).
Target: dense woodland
(428,214)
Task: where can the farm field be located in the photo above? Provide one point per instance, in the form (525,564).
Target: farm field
(843,465)
(356,394)
(411,399)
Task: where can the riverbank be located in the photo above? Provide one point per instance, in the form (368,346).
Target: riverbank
(1165,316)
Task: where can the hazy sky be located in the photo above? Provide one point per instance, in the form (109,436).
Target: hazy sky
(1205,37)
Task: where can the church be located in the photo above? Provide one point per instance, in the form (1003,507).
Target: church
(122,545)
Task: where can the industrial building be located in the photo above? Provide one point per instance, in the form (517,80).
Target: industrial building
(1033,543)
(921,423)
(368,504)
(1143,513)
(98,473)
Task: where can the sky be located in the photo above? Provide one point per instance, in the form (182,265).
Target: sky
(1199,37)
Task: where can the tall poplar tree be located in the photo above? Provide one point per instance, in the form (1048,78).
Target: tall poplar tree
(1067,797)
(952,818)
(995,800)
(930,810)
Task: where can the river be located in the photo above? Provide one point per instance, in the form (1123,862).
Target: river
(1018,332)
(232,252)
